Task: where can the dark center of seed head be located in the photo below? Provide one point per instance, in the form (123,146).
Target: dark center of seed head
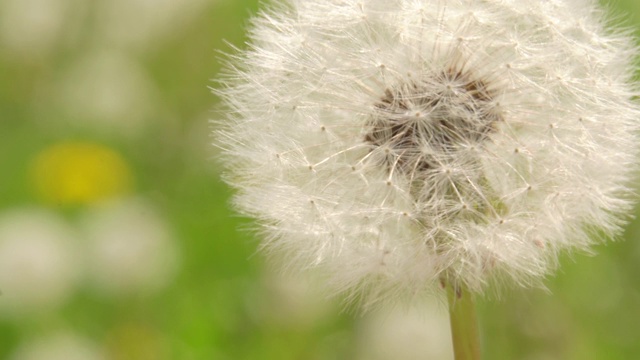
(422,125)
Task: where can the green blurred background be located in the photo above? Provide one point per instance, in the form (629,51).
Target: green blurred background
(117,241)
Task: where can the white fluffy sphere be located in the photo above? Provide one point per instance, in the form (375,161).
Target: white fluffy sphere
(393,144)
(39,267)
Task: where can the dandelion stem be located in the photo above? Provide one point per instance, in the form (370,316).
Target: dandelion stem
(464,324)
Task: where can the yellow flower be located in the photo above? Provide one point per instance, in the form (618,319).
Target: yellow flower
(76,173)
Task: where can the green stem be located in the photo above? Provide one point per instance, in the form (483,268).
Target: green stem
(464,324)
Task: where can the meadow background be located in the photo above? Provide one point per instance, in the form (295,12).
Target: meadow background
(116,236)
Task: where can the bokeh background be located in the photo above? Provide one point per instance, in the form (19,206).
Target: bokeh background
(117,240)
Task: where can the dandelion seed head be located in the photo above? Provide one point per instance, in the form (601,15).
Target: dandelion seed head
(392,145)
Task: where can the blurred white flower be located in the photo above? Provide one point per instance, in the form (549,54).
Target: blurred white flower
(394,144)
(140,23)
(131,248)
(106,90)
(31,26)
(62,346)
(291,301)
(38,261)
(405,333)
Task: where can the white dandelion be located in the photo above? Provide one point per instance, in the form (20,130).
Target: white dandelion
(59,346)
(130,247)
(394,144)
(39,266)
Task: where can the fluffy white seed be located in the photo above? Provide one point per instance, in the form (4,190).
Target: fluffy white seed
(392,144)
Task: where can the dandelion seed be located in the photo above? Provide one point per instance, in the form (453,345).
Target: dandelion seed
(460,141)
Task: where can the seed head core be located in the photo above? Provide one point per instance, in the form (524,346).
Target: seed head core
(422,125)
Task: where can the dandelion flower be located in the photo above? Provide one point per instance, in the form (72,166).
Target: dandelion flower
(394,144)
(39,267)
(58,346)
(130,247)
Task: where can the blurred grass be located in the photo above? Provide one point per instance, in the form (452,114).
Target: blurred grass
(216,306)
